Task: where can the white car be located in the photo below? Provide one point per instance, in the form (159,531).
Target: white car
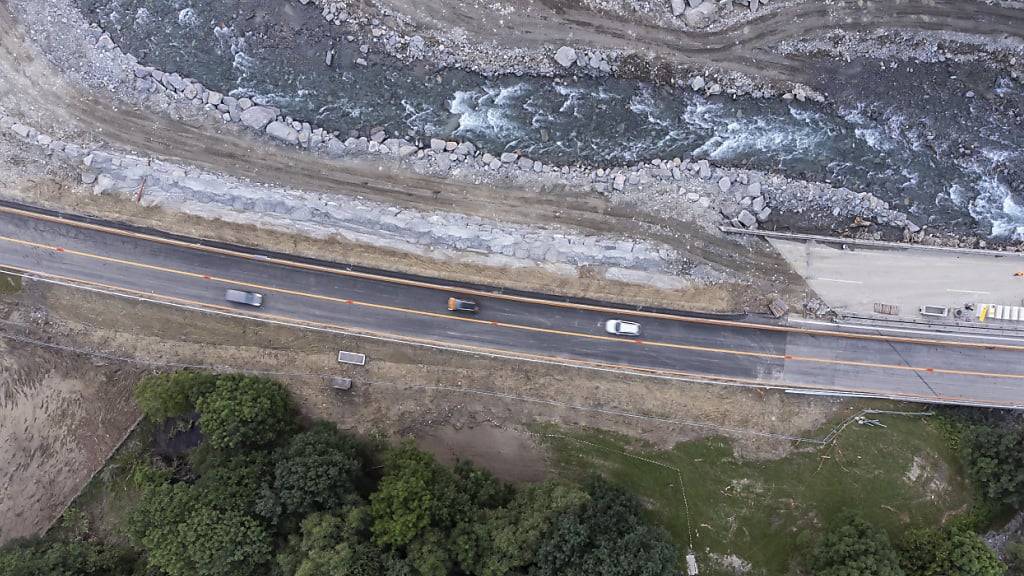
(242,297)
(622,328)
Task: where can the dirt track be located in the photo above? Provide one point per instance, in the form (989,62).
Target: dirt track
(745,47)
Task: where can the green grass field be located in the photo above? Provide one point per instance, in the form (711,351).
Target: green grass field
(905,475)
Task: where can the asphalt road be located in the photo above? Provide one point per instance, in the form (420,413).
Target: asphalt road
(924,367)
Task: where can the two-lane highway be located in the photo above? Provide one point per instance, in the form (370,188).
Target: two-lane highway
(916,367)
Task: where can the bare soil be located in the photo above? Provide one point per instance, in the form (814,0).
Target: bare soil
(61,416)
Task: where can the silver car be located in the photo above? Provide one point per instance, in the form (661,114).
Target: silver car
(242,297)
(622,328)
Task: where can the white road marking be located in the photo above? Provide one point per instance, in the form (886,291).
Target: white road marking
(837,280)
(968,291)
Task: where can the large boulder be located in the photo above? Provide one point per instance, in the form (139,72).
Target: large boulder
(258,117)
(282,131)
(700,16)
(565,56)
(678,7)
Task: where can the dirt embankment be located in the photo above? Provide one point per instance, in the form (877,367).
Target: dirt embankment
(739,42)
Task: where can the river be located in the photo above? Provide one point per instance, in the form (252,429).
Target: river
(917,136)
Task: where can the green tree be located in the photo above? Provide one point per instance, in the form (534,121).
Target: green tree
(245,412)
(994,453)
(852,547)
(206,529)
(333,546)
(317,470)
(223,543)
(606,535)
(505,540)
(415,493)
(77,558)
(950,551)
(236,482)
(163,396)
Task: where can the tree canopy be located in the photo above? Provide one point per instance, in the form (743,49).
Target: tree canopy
(852,547)
(949,551)
(317,470)
(163,396)
(994,453)
(245,412)
(74,558)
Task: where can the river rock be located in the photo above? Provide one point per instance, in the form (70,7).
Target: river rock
(754,190)
(437,145)
(724,184)
(747,219)
(282,131)
(257,117)
(525,163)
(704,169)
(678,7)
(465,149)
(697,83)
(509,157)
(565,56)
(214,98)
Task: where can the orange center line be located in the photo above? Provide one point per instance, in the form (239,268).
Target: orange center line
(509,297)
(470,348)
(670,345)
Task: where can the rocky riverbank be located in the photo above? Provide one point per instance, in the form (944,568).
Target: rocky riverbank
(701,192)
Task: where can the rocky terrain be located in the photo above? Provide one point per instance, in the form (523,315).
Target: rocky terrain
(672,201)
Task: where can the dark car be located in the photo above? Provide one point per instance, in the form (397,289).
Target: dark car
(459,305)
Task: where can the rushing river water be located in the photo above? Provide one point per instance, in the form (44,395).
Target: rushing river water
(911,137)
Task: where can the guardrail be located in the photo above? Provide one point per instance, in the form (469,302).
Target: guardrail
(869,243)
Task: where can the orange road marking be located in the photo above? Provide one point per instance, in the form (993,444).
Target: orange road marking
(508,297)
(470,348)
(671,345)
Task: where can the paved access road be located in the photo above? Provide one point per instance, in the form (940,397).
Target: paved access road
(853,279)
(923,367)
